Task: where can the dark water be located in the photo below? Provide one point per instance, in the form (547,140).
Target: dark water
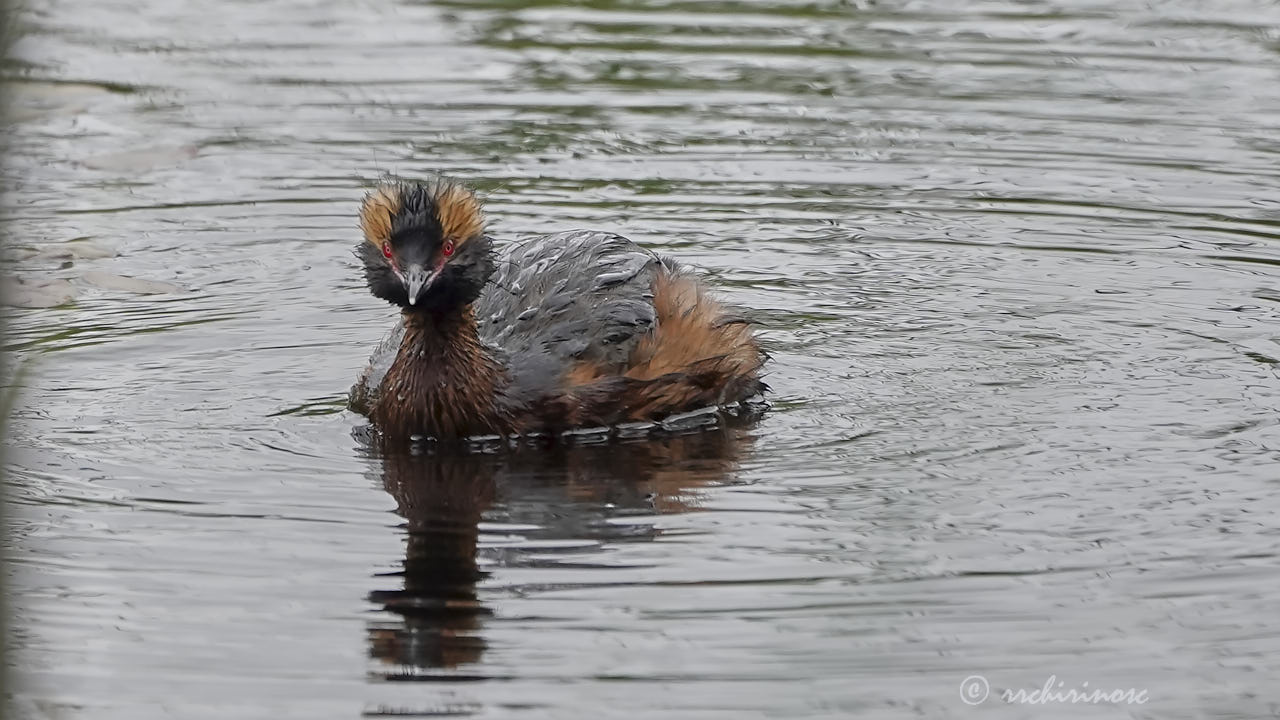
(1018,264)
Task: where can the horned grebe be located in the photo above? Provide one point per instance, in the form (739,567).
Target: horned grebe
(574,329)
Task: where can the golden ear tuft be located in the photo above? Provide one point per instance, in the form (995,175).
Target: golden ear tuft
(380,205)
(459,211)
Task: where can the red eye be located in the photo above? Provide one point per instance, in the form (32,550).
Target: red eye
(448,248)
(386,250)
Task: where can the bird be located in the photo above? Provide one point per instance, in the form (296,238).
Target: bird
(574,329)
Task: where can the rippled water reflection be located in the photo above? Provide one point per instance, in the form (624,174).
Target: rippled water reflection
(1018,264)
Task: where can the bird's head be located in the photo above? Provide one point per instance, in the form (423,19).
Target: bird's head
(424,245)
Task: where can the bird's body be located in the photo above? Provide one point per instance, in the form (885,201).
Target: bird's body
(574,329)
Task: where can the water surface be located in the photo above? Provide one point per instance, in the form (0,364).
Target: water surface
(1017,263)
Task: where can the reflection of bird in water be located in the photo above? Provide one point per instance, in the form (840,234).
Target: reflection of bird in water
(441,500)
(566,491)
(575,329)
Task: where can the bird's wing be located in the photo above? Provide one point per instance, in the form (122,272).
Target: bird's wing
(560,300)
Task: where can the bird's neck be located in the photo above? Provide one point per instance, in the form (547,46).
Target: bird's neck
(444,382)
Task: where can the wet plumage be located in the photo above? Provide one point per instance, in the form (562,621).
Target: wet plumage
(573,329)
